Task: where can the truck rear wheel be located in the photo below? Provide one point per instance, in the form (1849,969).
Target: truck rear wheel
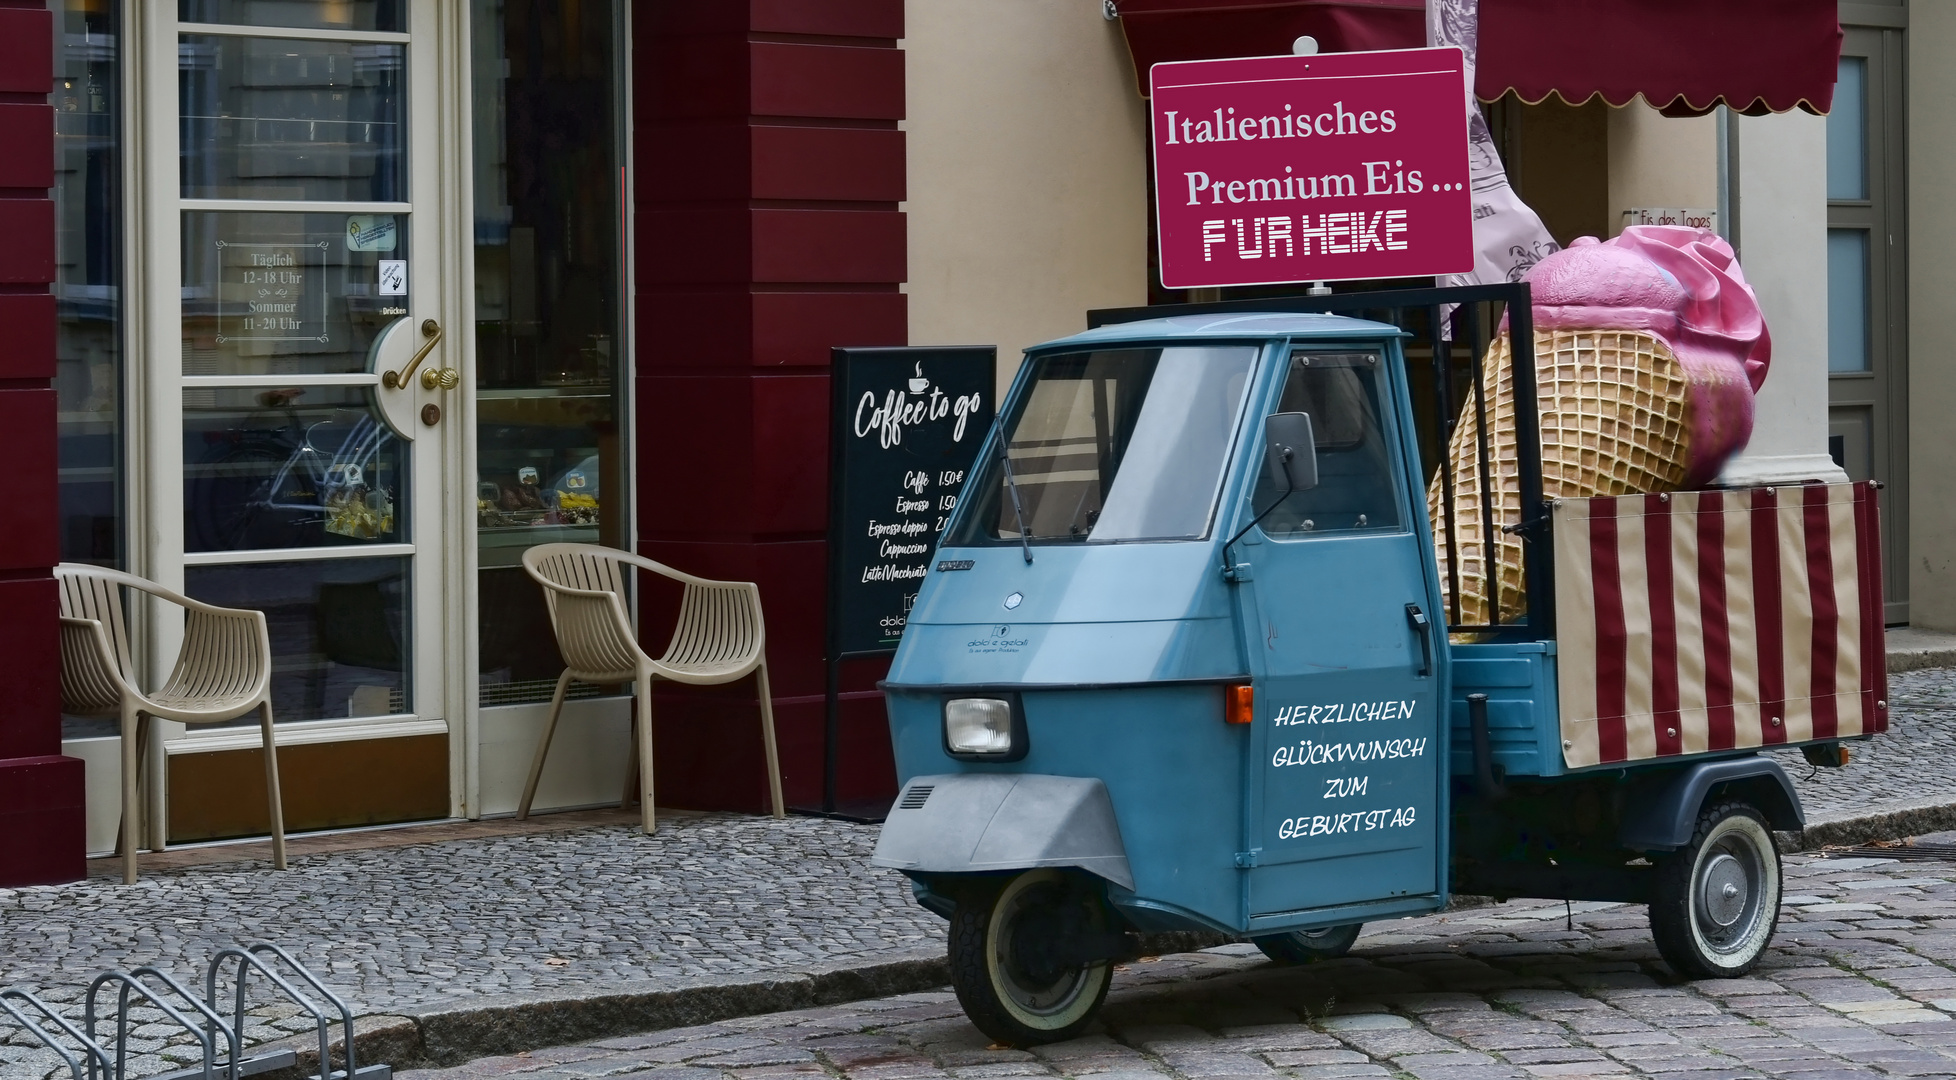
(1715,903)
(1309,946)
(1014,957)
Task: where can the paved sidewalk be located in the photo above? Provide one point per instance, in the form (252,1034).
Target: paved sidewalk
(465,927)
(1860,983)
(1910,648)
(433,928)
(1900,784)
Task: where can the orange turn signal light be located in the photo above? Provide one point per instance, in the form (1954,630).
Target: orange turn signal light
(1239,704)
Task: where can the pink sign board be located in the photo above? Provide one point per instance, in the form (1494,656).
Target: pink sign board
(1280,169)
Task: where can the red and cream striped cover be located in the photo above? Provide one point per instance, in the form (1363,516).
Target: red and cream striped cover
(1713,620)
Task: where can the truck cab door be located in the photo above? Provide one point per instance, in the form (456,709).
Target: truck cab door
(1347,654)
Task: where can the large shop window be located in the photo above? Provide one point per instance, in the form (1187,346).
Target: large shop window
(549,321)
(88,278)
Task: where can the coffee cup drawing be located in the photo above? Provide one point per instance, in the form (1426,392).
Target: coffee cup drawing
(919,384)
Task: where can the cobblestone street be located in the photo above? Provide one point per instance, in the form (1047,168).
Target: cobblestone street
(1861,982)
(538,916)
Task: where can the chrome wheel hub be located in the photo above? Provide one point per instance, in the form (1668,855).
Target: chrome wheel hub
(1725,891)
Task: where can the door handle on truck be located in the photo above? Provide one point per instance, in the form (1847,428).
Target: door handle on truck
(1423,630)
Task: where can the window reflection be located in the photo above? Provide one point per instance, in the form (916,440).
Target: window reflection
(310,14)
(1847,132)
(88,278)
(1847,300)
(547,313)
(279,118)
(339,632)
(86,99)
(298,467)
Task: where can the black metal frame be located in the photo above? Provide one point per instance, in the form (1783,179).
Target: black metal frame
(1473,318)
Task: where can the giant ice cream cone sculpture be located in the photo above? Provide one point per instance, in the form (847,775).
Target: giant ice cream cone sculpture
(1648,350)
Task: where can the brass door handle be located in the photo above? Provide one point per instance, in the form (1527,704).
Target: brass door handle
(395,380)
(444,378)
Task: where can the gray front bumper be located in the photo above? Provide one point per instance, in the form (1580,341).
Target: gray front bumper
(963,823)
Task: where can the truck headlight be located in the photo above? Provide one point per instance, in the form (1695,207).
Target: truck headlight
(984,729)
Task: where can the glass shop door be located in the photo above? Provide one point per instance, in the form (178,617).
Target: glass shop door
(551,424)
(306,248)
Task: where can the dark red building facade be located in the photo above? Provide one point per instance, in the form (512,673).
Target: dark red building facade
(760,166)
(785,114)
(41,792)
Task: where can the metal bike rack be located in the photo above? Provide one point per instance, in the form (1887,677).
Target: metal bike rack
(90,1055)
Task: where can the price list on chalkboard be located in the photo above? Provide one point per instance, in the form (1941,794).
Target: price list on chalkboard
(907,425)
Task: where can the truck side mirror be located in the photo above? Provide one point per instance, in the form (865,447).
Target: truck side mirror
(1291,452)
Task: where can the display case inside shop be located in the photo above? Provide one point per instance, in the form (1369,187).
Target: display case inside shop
(542,457)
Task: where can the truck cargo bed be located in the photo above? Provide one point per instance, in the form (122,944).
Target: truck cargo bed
(1690,624)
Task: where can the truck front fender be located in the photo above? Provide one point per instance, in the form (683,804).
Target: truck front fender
(1660,813)
(974,823)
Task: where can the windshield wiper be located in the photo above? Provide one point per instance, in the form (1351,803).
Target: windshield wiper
(1018,510)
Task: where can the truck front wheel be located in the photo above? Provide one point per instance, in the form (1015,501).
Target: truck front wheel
(1031,961)
(1715,901)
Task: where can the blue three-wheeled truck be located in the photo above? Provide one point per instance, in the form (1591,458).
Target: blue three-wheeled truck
(1186,660)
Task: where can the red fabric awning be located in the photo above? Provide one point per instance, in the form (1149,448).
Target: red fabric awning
(1159,30)
(1684,56)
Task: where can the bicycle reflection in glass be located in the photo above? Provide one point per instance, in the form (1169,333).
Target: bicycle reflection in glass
(282,474)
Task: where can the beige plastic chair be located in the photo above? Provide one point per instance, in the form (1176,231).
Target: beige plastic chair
(720,637)
(223,671)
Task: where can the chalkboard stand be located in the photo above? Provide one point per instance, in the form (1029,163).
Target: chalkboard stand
(870,466)
(863,812)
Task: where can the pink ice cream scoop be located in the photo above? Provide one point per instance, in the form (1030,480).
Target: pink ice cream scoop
(1683,287)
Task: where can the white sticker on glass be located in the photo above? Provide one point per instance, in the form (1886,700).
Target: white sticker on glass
(393,277)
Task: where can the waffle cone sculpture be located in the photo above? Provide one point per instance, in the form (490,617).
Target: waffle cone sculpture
(1648,351)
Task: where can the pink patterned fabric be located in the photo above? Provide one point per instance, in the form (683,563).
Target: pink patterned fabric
(1684,287)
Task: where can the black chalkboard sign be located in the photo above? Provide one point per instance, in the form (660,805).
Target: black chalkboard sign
(906,427)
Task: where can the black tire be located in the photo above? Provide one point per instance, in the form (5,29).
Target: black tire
(1715,903)
(1014,994)
(1309,946)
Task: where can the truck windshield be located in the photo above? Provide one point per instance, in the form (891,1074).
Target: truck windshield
(1122,444)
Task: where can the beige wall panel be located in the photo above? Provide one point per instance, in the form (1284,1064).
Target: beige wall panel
(1028,171)
(1932,290)
(587,761)
(1657,160)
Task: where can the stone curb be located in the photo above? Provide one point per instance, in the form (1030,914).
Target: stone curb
(1887,821)
(1910,649)
(460,1030)
(1900,660)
